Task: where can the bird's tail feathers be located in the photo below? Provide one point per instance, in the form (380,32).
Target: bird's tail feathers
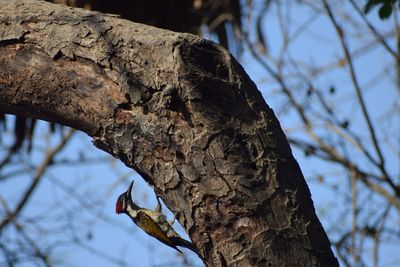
(187,244)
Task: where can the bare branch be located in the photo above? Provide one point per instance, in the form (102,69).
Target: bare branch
(35,180)
(373,30)
(361,100)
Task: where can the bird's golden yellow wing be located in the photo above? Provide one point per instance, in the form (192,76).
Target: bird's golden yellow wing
(145,222)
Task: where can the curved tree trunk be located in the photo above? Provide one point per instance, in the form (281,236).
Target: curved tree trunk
(181,112)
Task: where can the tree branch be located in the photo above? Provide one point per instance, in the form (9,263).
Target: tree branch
(35,181)
(373,30)
(181,112)
(360,98)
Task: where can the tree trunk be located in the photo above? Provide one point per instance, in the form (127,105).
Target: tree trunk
(181,112)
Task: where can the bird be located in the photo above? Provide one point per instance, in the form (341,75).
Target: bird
(153,222)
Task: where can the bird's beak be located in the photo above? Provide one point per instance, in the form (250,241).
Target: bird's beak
(130,189)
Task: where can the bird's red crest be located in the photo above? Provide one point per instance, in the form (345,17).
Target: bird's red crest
(118,207)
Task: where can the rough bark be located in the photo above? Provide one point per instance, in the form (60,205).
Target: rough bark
(181,112)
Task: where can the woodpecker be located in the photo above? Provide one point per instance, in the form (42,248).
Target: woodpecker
(152,222)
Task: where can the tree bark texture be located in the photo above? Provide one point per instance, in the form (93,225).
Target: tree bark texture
(181,112)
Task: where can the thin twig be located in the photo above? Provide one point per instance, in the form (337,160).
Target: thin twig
(331,155)
(354,195)
(38,252)
(360,98)
(35,181)
(373,30)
